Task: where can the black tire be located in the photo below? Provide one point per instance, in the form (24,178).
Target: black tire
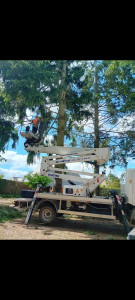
(47,214)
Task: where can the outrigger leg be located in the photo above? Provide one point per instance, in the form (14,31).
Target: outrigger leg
(120,213)
(33,203)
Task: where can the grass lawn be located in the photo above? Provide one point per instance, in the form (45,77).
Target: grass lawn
(8,213)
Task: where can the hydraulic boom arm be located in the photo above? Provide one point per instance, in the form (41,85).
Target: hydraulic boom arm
(64,155)
(101,155)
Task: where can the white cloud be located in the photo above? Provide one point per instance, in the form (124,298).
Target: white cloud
(16,161)
(49,139)
(53,108)
(83,167)
(75,166)
(126,123)
(16,165)
(9,173)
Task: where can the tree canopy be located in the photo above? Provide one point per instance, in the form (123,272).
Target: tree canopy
(89,103)
(113,182)
(112,120)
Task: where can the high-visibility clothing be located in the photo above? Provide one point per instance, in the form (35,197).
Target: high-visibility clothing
(35,121)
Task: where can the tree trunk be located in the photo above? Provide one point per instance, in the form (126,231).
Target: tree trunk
(61,122)
(96,120)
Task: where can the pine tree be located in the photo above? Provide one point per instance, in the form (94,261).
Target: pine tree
(112,87)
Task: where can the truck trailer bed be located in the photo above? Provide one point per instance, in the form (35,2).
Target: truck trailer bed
(97,200)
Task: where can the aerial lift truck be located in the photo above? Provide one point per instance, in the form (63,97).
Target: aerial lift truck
(74,199)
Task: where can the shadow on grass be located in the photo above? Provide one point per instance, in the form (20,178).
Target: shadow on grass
(89,227)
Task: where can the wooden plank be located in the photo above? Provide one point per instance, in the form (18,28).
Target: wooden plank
(23,200)
(110,217)
(53,196)
(60,204)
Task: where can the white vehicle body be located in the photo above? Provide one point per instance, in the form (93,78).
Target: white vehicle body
(128,185)
(76,190)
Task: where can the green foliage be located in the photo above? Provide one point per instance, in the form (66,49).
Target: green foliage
(30,157)
(119,85)
(24,85)
(3,186)
(115,96)
(89,232)
(7,126)
(8,213)
(35,85)
(33,180)
(14,195)
(105,192)
(113,182)
(1,159)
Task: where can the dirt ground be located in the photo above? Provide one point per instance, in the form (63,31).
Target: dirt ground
(65,228)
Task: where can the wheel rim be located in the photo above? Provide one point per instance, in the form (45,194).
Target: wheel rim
(47,215)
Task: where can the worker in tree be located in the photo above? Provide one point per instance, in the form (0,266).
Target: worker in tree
(35,123)
(33,140)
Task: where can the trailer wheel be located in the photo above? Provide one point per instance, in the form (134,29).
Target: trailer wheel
(47,214)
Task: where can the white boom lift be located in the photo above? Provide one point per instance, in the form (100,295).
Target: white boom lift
(65,155)
(78,201)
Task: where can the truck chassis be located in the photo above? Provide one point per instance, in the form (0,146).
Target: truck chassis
(53,205)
